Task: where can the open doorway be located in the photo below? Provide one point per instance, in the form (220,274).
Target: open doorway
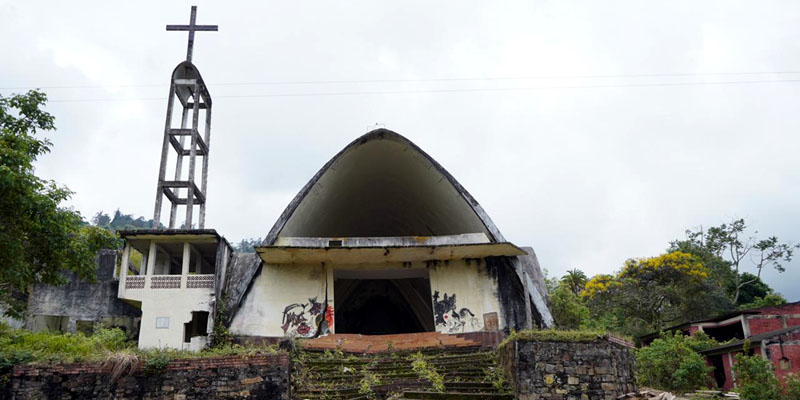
(382,302)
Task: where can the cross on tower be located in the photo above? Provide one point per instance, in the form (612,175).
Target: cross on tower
(192,28)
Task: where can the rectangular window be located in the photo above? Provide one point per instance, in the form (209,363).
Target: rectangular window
(162,322)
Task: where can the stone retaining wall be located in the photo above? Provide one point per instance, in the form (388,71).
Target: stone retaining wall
(259,377)
(569,370)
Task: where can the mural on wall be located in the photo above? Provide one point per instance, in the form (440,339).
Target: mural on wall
(302,319)
(448,319)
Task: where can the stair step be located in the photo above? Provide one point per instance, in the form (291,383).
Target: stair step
(456,396)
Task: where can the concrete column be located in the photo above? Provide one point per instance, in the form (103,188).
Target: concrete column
(123,267)
(151,258)
(187,252)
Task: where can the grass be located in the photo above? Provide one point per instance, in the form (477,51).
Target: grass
(552,335)
(107,346)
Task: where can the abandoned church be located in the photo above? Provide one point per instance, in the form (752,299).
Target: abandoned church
(381,241)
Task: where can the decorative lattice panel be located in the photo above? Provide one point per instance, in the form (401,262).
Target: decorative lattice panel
(134,282)
(200,281)
(165,282)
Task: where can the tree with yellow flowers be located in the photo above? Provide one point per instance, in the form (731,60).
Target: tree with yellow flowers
(649,293)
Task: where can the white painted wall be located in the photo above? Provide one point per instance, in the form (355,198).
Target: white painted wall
(281,286)
(275,289)
(174,304)
(177,305)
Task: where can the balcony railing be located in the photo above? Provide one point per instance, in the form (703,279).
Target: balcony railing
(136,282)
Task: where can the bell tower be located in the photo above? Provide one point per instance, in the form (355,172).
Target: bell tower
(190,138)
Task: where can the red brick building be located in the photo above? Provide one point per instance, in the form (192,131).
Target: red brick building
(773,332)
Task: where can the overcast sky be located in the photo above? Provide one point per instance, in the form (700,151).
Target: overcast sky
(638,120)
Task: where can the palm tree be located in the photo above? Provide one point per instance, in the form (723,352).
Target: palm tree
(575,280)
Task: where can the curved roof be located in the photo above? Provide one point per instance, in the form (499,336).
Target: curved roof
(382,184)
(187,70)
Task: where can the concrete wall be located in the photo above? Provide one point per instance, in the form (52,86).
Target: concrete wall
(259,376)
(176,305)
(597,370)
(78,300)
(288,300)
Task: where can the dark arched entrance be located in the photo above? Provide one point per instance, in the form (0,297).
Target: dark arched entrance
(382,306)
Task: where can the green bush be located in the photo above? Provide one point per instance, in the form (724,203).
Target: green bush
(755,378)
(156,362)
(793,386)
(672,363)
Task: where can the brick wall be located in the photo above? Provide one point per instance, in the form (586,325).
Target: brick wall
(764,324)
(259,376)
(565,370)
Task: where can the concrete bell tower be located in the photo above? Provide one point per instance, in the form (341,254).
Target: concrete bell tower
(188,88)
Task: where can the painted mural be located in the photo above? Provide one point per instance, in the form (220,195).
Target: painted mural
(448,319)
(303,319)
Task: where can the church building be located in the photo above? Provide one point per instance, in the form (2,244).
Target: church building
(382,240)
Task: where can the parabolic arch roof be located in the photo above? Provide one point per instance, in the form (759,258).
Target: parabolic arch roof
(382,184)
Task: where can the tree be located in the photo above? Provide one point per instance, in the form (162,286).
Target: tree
(247,245)
(39,238)
(649,293)
(575,280)
(568,310)
(730,243)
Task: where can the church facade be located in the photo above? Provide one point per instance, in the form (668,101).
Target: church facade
(382,240)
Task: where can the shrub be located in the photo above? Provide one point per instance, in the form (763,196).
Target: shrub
(25,346)
(755,379)
(671,363)
(156,362)
(793,386)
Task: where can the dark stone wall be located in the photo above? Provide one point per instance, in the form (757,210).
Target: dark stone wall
(84,301)
(595,370)
(263,376)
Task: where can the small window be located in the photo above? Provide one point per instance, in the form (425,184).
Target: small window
(162,322)
(785,364)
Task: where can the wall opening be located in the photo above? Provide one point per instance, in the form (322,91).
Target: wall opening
(380,303)
(198,326)
(52,323)
(725,333)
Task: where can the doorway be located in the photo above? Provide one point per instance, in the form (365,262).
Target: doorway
(383,302)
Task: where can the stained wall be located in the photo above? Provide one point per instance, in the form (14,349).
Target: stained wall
(289,300)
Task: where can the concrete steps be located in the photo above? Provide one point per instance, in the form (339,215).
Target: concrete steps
(355,343)
(466,372)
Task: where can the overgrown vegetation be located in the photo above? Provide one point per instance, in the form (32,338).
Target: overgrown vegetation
(672,362)
(552,335)
(701,276)
(425,370)
(755,378)
(107,346)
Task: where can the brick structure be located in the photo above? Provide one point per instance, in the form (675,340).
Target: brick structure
(773,332)
(260,376)
(599,369)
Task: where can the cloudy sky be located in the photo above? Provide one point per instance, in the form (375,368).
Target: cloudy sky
(592,131)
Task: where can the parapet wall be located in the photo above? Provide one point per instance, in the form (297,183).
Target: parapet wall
(259,376)
(598,369)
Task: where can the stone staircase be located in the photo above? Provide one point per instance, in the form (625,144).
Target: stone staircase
(416,366)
